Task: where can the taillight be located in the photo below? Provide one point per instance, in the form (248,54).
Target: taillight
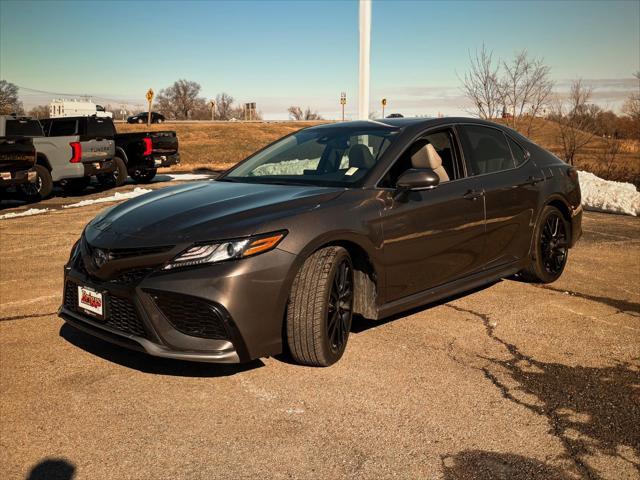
(148,148)
(76,152)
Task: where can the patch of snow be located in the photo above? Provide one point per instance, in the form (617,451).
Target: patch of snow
(607,196)
(112,198)
(288,167)
(26,213)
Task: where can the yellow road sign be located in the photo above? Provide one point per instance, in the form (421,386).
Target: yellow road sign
(150,95)
(384,102)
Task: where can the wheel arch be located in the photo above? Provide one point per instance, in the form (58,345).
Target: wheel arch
(41,159)
(122,154)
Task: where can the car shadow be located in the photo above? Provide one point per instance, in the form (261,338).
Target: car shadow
(360,324)
(147,363)
(52,469)
(484,465)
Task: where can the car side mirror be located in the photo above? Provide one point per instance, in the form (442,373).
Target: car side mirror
(418,179)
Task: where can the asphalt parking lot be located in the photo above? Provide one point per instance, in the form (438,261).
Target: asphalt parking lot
(512,381)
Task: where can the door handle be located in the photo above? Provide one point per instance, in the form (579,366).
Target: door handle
(473,194)
(533,180)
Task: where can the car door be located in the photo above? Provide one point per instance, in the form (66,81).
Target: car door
(509,180)
(431,237)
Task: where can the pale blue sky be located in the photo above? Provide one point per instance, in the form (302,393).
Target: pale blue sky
(306,52)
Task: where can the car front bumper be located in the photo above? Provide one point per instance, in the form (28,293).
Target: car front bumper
(242,302)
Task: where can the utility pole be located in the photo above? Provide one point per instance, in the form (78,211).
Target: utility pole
(343,102)
(365,54)
(212,103)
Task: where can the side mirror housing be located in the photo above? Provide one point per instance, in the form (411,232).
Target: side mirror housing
(418,179)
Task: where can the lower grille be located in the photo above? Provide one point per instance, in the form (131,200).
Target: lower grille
(121,313)
(192,316)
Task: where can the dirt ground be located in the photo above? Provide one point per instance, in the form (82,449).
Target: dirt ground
(512,381)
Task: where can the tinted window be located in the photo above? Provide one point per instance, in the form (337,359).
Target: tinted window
(62,128)
(27,128)
(442,142)
(485,149)
(519,155)
(100,127)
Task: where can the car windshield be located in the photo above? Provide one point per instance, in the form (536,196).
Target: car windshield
(318,156)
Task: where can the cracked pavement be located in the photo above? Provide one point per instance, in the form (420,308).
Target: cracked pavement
(510,381)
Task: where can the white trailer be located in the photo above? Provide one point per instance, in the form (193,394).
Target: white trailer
(76,108)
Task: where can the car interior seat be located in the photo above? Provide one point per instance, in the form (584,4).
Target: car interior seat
(427,157)
(360,157)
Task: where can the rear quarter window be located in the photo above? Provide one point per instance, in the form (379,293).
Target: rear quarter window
(63,128)
(100,127)
(519,155)
(27,128)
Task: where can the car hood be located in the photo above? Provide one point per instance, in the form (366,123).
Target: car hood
(202,211)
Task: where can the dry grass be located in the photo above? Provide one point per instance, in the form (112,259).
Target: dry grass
(218,146)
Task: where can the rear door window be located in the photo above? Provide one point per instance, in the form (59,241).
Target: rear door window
(485,149)
(26,128)
(63,128)
(519,154)
(99,128)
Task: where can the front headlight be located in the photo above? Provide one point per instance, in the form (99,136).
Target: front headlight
(229,250)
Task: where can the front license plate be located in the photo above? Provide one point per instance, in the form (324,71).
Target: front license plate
(91,301)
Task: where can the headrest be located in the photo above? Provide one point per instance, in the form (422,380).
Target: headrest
(360,157)
(426,157)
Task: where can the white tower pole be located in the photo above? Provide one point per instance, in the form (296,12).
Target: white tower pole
(365,50)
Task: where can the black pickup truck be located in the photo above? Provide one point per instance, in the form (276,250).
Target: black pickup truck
(138,154)
(17,161)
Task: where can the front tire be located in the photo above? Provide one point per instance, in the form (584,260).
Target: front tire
(140,120)
(551,247)
(41,188)
(321,308)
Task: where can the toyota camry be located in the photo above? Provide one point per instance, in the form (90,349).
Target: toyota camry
(366,218)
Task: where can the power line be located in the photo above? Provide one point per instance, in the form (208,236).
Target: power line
(34,90)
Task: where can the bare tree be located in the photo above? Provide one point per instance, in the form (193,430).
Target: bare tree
(180,99)
(525,87)
(224,106)
(576,120)
(631,106)
(296,113)
(609,153)
(481,85)
(39,112)
(9,99)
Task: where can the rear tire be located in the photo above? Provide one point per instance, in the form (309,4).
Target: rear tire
(115,178)
(159,120)
(550,247)
(143,176)
(41,188)
(321,308)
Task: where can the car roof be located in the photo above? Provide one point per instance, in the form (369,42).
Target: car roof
(402,123)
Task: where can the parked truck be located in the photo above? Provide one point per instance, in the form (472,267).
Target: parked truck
(69,158)
(137,154)
(17,160)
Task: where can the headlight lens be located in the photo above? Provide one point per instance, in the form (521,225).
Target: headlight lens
(229,250)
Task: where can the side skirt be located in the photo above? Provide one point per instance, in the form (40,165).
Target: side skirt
(448,289)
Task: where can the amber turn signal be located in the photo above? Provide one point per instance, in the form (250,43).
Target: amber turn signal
(263,244)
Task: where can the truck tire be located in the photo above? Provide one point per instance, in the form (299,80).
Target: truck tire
(550,247)
(115,178)
(321,308)
(76,186)
(143,176)
(41,188)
